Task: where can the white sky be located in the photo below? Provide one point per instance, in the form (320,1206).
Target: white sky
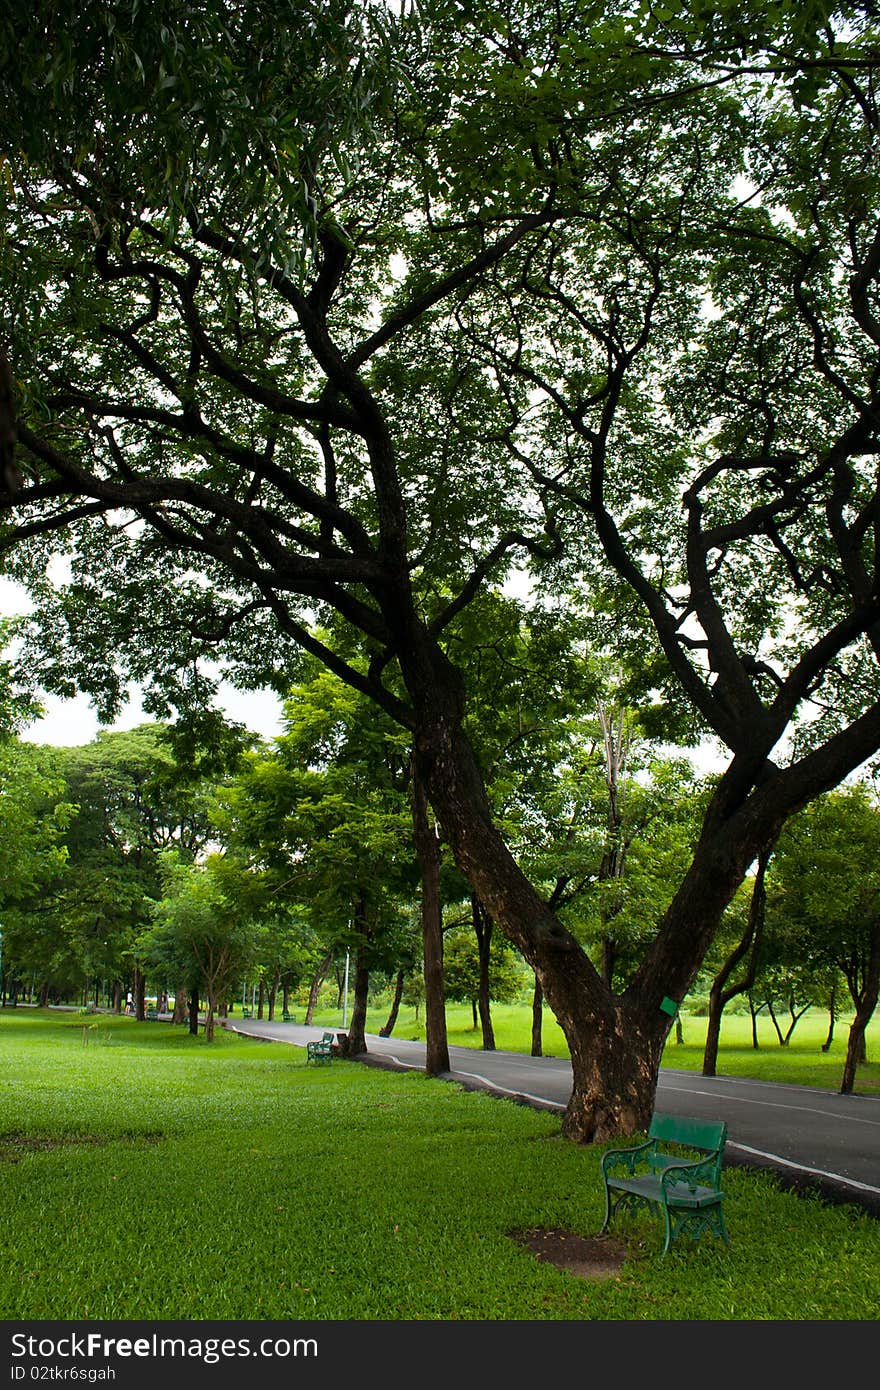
(71,723)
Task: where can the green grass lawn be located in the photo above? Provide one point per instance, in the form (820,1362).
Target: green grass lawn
(148,1175)
(802,1062)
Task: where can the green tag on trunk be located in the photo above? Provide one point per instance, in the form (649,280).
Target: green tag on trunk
(669,1006)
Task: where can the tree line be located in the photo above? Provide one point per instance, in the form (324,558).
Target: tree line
(136,870)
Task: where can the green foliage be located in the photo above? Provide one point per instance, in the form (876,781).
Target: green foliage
(320,821)
(197,934)
(825,893)
(33,817)
(461,968)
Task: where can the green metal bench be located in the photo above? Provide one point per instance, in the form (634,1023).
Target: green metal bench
(686,1190)
(245,1011)
(287,1017)
(320,1050)
(152,1015)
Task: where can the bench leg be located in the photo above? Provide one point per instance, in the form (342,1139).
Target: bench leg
(668,1229)
(607,1221)
(694,1223)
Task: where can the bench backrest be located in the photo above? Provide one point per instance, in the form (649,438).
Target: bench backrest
(705,1135)
(329,1038)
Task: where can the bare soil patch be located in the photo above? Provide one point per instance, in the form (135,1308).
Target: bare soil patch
(589,1257)
(14,1146)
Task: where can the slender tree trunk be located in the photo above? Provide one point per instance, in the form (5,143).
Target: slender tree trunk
(832,1010)
(140,995)
(753,1011)
(721,992)
(181,1004)
(475,1015)
(285,996)
(357,1042)
(483,932)
(796,1015)
(261,998)
(210,1007)
(194,1012)
(774,1020)
(537,1020)
(388,1027)
(317,980)
(428,854)
(273,991)
(865,1001)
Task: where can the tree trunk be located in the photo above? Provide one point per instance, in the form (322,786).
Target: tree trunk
(832,1010)
(140,995)
(483,932)
(273,991)
(261,998)
(865,1001)
(181,1004)
(753,1011)
(537,1020)
(357,1042)
(796,1015)
(194,1012)
(210,1007)
(388,1027)
(774,1020)
(317,980)
(428,854)
(721,993)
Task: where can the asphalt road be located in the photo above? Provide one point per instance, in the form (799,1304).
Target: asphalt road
(812,1138)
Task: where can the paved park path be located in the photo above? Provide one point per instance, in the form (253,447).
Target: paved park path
(812,1137)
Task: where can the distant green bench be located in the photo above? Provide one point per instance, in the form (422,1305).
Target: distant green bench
(246,1012)
(287,1017)
(152,1014)
(320,1050)
(686,1190)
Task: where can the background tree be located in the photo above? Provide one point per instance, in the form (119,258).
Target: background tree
(33,818)
(198,933)
(463,973)
(319,821)
(827,891)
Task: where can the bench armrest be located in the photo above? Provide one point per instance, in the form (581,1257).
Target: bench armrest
(625,1159)
(692,1172)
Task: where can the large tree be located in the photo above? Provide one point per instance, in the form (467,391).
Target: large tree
(334,317)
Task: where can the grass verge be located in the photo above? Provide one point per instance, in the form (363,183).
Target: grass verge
(147,1175)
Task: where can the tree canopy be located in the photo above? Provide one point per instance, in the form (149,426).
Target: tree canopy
(314,328)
